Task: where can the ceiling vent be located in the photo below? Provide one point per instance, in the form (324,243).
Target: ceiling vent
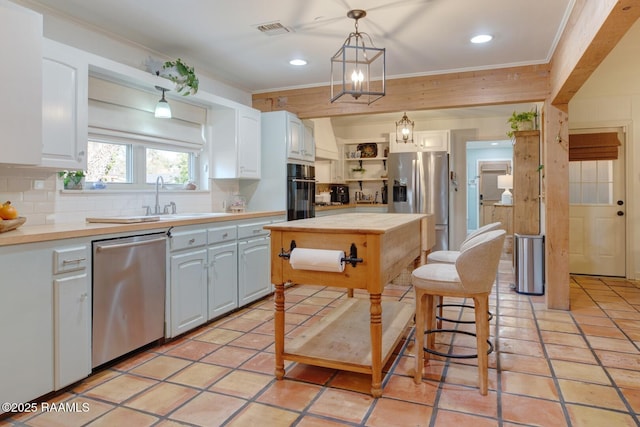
(273,29)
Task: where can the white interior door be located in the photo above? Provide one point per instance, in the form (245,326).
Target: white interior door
(597,224)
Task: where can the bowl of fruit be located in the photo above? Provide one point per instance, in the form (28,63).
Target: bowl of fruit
(9,218)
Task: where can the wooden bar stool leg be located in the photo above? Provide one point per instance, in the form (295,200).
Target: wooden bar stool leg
(419,337)
(481,304)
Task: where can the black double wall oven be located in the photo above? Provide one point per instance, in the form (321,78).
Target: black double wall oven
(301,190)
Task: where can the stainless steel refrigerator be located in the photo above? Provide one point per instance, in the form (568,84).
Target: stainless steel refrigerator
(419,183)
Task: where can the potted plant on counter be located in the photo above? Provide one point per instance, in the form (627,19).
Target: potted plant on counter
(72,180)
(522,121)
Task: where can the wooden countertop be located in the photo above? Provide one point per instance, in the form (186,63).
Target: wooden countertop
(321,208)
(360,223)
(43,233)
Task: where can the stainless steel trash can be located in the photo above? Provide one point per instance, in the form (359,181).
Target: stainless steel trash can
(529,263)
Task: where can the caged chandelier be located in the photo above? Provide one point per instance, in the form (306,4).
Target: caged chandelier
(358,70)
(404,130)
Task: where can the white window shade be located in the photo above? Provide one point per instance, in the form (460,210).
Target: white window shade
(115,120)
(117,109)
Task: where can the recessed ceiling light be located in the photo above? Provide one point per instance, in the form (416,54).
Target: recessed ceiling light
(298,62)
(481,38)
(494,143)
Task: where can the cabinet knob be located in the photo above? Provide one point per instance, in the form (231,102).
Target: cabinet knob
(192,241)
(83,296)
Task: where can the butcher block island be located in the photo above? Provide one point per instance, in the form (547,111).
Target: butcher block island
(359,335)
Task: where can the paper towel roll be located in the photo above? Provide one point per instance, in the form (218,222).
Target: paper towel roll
(316,260)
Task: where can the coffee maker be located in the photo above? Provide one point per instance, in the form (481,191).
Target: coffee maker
(339,193)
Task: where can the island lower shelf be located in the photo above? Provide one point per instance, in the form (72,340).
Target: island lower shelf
(342,339)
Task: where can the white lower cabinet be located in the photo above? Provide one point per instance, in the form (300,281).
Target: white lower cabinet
(223,270)
(216,268)
(26,310)
(254,262)
(72,329)
(188,280)
(223,279)
(44,283)
(71,313)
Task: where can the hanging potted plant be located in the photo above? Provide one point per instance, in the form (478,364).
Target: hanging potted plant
(182,75)
(72,180)
(521,121)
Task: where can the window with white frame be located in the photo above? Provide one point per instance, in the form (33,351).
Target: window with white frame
(134,164)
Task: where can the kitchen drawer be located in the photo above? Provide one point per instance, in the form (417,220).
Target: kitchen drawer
(188,239)
(222,234)
(69,259)
(253,230)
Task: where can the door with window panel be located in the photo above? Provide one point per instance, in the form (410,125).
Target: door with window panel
(597,225)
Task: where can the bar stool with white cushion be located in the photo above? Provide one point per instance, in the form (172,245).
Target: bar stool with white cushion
(449,257)
(472,276)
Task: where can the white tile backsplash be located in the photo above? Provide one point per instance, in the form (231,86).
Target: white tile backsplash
(49,205)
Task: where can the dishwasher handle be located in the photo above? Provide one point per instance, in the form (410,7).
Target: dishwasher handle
(102,248)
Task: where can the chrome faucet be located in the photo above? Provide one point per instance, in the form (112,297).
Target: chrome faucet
(156,209)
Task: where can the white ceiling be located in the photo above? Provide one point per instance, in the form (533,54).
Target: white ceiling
(219,37)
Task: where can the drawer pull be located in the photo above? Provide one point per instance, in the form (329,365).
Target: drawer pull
(225,235)
(73,261)
(192,241)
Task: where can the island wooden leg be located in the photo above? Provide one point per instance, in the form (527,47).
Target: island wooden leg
(376,344)
(279,330)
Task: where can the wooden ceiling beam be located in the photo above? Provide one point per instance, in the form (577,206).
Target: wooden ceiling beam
(454,90)
(593,30)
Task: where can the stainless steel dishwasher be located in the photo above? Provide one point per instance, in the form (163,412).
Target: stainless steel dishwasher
(129,285)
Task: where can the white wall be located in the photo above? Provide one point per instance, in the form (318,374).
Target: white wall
(611,97)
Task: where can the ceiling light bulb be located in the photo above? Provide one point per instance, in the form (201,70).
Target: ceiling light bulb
(298,62)
(481,38)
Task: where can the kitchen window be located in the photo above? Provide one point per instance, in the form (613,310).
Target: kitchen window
(135,164)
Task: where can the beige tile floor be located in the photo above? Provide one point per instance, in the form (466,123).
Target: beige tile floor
(550,368)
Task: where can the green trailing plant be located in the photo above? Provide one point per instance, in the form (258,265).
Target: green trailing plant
(358,170)
(182,75)
(517,119)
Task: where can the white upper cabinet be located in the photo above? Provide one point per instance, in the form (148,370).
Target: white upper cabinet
(248,142)
(295,135)
(285,129)
(64,106)
(425,140)
(308,142)
(432,140)
(21,84)
(235,142)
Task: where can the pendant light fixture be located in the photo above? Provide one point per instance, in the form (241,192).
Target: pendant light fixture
(163,109)
(358,70)
(404,130)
